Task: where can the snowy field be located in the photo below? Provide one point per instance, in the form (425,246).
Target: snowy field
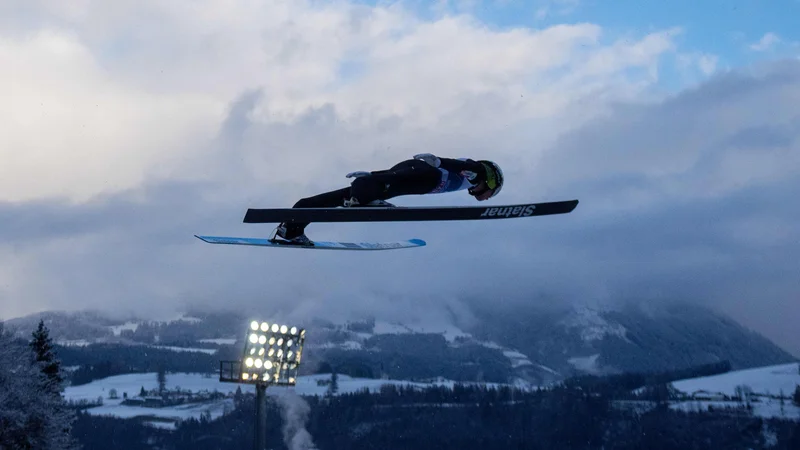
(209,351)
(219,341)
(765,382)
(766,408)
(769,380)
(449,332)
(307,385)
(131,384)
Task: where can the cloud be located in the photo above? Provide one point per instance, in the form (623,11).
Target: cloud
(210,109)
(547,8)
(766,43)
(73,129)
(705,63)
(692,197)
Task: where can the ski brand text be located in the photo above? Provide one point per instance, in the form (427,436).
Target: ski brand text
(508,211)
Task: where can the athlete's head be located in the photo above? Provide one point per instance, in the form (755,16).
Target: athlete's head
(491,186)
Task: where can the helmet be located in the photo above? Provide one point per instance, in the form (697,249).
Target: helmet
(494,177)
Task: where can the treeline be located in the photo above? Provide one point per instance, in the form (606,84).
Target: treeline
(98,361)
(621,385)
(415,357)
(466,417)
(187,332)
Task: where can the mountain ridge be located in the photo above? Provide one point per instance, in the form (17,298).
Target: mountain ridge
(537,345)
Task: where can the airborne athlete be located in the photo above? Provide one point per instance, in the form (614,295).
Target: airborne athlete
(365,201)
(424,174)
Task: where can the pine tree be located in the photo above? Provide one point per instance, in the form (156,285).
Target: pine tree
(796,398)
(162,379)
(333,388)
(238,396)
(32,413)
(42,345)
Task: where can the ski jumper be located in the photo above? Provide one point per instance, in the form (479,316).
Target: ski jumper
(410,177)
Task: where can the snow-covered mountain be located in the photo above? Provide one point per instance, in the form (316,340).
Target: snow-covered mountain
(88,327)
(534,346)
(637,338)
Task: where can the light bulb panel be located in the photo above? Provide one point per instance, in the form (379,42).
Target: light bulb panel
(272,353)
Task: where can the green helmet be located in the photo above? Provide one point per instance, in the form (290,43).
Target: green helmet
(494,177)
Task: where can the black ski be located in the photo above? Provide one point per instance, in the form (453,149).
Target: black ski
(407,214)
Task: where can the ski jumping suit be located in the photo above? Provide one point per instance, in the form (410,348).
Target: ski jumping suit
(410,177)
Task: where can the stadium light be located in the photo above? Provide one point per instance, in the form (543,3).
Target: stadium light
(271,356)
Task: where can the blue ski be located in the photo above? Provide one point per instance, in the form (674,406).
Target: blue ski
(318,245)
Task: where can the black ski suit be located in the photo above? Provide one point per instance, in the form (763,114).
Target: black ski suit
(410,177)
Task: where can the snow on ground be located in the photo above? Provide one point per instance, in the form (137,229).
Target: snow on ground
(131,384)
(171,414)
(768,380)
(210,351)
(351,345)
(133,326)
(306,385)
(117,329)
(766,383)
(493,345)
(517,359)
(73,343)
(166,425)
(390,328)
(346,345)
(764,407)
(449,332)
(547,369)
(188,319)
(219,341)
(593,327)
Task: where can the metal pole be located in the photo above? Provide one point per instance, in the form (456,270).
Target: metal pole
(260,442)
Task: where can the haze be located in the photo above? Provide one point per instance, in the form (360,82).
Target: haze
(130,126)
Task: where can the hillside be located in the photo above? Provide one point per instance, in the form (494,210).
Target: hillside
(529,346)
(633,338)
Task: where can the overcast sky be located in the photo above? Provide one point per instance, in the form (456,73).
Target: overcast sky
(129,126)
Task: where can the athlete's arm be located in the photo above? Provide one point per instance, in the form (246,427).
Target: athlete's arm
(473,170)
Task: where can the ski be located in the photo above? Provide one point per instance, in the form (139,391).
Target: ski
(407,214)
(317,245)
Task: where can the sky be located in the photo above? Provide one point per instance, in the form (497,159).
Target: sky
(128,127)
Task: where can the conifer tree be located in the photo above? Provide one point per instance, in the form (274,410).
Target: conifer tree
(42,345)
(33,414)
(161,377)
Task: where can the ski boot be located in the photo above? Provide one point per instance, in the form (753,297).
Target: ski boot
(353,202)
(282,232)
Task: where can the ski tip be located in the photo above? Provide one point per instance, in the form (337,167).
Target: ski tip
(572,205)
(419,242)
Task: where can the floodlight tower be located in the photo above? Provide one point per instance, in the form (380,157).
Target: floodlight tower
(271,356)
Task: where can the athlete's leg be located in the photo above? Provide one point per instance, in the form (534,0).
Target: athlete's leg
(330,199)
(411,177)
(405,178)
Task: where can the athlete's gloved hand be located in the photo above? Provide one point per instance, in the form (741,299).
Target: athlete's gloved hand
(429,158)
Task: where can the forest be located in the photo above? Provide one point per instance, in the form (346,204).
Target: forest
(588,412)
(464,417)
